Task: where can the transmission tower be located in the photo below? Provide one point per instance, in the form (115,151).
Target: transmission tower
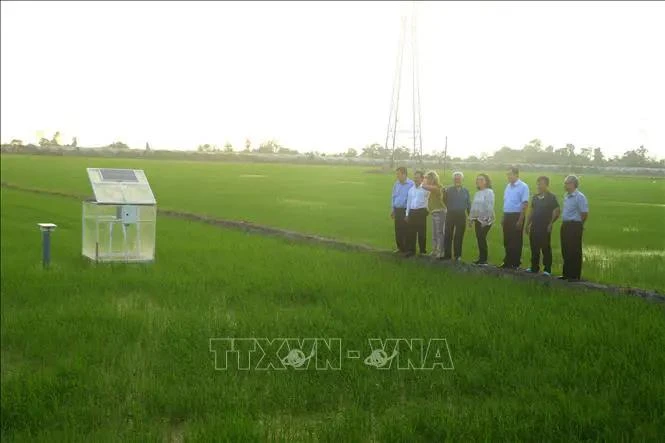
(414,132)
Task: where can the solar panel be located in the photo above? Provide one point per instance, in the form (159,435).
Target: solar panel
(118,175)
(120,186)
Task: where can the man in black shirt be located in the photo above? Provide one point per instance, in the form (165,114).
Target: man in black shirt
(544,212)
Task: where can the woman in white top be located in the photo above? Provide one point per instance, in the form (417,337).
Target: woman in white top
(482,214)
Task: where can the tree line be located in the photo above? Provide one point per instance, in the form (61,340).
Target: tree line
(531,153)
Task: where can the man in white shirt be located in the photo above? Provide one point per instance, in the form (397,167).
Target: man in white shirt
(515,202)
(416,216)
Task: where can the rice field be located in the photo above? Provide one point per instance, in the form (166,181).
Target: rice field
(623,240)
(123,353)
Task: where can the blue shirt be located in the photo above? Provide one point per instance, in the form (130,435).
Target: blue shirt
(573,206)
(515,195)
(457,199)
(401,193)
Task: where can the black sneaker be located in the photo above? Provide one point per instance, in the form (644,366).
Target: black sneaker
(505,266)
(562,278)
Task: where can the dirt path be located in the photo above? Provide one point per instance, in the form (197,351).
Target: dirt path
(298,236)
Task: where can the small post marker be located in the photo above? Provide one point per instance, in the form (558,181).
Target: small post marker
(46,229)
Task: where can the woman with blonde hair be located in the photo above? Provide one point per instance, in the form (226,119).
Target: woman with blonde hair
(437,209)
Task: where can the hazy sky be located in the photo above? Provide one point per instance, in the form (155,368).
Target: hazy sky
(318,75)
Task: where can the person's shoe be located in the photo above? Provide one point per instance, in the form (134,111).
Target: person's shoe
(397,251)
(480,263)
(574,280)
(547,274)
(409,254)
(530,271)
(444,258)
(562,278)
(505,266)
(458,259)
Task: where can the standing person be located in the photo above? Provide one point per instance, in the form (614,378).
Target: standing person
(544,212)
(515,202)
(398,205)
(458,202)
(575,213)
(482,215)
(435,207)
(416,216)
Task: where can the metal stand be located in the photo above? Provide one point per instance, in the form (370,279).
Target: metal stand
(46,229)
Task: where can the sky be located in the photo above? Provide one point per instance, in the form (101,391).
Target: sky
(318,76)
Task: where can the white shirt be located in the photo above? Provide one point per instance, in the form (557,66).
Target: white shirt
(417,198)
(482,208)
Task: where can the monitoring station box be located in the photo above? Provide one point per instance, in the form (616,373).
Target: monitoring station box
(119,223)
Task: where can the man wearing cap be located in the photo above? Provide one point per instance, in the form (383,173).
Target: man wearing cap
(515,202)
(574,215)
(398,205)
(458,201)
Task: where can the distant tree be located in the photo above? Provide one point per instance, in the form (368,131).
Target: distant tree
(598,157)
(228,147)
(549,149)
(56,139)
(44,142)
(269,147)
(118,145)
(147,147)
(283,150)
(402,153)
(375,150)
(506,155)
(16,143)
(351,153)
(206,148)
(75,142)
(585,155)
(635,157)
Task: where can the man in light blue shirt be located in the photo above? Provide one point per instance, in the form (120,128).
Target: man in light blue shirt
(515,202)
(574,214)
(398,207)
(416,216)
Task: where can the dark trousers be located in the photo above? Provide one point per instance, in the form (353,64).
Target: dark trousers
(540,241)
(512,240)
(453,234)
(571,249)
(401,228)
(481,236)
(417,230)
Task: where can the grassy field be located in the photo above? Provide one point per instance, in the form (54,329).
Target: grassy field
(121,353)
(623,240)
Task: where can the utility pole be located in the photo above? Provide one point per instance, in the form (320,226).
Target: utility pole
(445,156)
(393,120)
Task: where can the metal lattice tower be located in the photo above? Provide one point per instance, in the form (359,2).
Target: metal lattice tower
(394,117)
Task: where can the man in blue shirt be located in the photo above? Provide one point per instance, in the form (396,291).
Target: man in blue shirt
(574,214)
(515,202)
(398,205)
(458,201)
